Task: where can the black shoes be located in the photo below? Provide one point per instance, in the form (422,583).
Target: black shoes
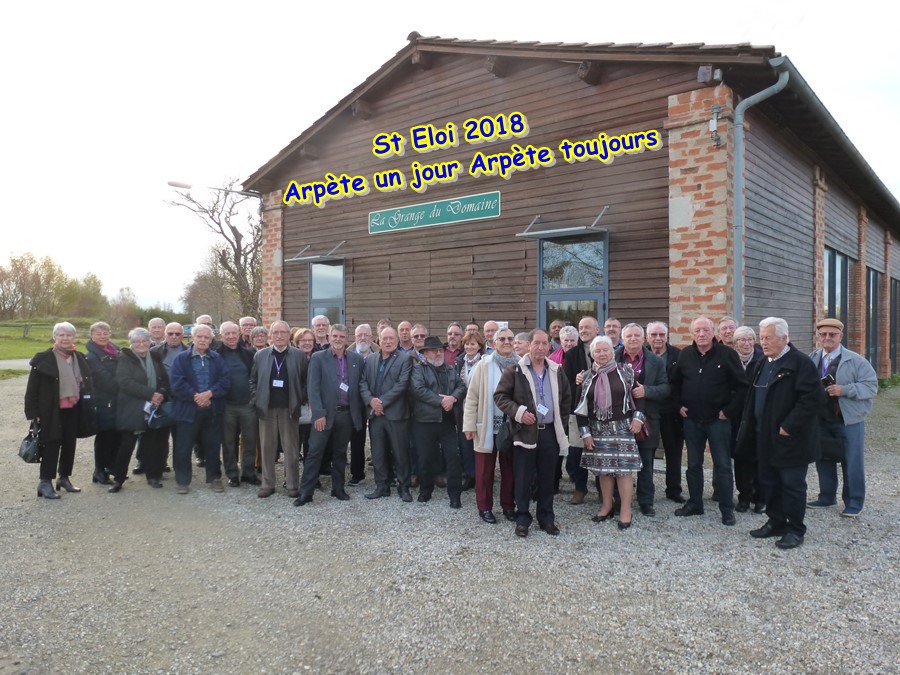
(509,515)
(404,494)
(45,490)
(117,485)
(340,494)
(138,470)
(468,483)
(768,530)
(424,497)
(742,506)
(602,518)
(252,480)
(488,517)
(550,528)
(201,462)
(647,510)
(455,503)
(521,531)
(678,499)
(789,540)
(353,482)
(64,483)
(154,482)
(728,519)
(689,510)
(234,482)
(623,525)
(101,477)
(759,507)
(302,499)
(379,492)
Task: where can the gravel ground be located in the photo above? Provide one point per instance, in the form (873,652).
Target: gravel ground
(150,581)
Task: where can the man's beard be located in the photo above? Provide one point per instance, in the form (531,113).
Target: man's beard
(436,361)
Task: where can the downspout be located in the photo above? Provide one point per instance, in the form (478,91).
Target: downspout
(780,64)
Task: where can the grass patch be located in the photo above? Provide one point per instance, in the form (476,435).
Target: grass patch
(892,381)
(25,348)
(9,373)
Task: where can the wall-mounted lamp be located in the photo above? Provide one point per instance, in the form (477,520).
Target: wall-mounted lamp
(714,126)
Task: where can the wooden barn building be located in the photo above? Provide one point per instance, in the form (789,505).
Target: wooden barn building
(474,180)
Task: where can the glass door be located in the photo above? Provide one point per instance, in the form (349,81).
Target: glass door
(572,282)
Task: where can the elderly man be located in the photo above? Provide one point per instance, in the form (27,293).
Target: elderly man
(490,330)
(200,383)
(711,387)
(535,393)
(670,422)
(337,409)
(612,328)
(363,346)
(851,385)
(321,327)
(578,359)
(652,385)
(404,334)
(383,388)
(453,346)
(278,390)
(481,423)
(247,324)
(157,329)
(240,415)
(780,423)
(435,388)
(725,331)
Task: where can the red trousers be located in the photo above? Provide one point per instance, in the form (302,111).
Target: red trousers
(484,480)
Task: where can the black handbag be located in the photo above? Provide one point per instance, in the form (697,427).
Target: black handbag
(87,417)
(161,416)
(831,443)
(30,448)
(505,436)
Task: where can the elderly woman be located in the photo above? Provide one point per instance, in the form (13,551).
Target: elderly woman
(259,337)
(473,350)
(305,341)
(142,380)
(59,383)
(609,417)
(745,475)
(103,357)
(568,338)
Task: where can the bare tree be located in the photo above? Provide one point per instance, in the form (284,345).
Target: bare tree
(208,293)
(239,249)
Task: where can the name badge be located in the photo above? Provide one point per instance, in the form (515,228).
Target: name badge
(345,386)
(86,397)
(278,384)
(542,409)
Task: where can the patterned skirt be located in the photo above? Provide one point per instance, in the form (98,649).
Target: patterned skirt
(615,451)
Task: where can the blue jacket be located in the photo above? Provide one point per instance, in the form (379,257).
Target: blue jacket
(859,384)
(183,381)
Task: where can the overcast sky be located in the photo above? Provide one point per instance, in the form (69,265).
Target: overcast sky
(104,102)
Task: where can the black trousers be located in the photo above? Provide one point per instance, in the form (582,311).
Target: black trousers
(106,444)
(390,448)
(784,489)
(671,432)
(154,443)
(438,445)
(358,453)
(536,465)
(62,453)
(332,442)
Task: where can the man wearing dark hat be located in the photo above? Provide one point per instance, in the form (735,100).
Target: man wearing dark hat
(851,385)
(435,387)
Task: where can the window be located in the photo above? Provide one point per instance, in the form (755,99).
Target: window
(837,286)
(873,293)
(572,281)
(326,290)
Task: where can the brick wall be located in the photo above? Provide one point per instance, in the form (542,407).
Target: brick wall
(884,313)
(856,312)
(700,203)
(820,191)
(273,256)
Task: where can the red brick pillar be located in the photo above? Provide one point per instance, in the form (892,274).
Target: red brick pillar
(820,191)
(884,313)
(700,204)
(856,313)
(272,257)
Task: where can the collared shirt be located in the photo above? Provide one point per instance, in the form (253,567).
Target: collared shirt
(828,358)
(200,364)
(543,394)
(343,377)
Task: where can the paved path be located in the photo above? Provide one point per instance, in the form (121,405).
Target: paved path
(14,364)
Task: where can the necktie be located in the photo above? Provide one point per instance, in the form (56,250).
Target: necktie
(826,361)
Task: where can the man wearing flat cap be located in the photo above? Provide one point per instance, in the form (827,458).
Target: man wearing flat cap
(851,385)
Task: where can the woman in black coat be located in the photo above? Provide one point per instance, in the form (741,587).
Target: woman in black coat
(103,357)
(746,479)
(58,398)
(141,378)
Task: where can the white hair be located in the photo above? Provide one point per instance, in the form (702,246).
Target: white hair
(781,326)
(661,323)
(63,327)
(571,331)
(601,338)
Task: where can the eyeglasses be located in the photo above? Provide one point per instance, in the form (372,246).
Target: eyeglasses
(174,334)
(503,339)
(656,334)
(828,334)
(419,337)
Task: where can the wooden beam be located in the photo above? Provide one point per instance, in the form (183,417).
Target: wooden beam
(590,72)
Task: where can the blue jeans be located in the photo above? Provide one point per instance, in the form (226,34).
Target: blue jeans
(206,431)
(718,434)
(852,468)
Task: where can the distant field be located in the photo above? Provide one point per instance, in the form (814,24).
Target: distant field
(8,374)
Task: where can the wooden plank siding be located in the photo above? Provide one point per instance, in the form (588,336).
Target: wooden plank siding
(779,238)
(481,270)
(875,245)
(895,258)
(841,222)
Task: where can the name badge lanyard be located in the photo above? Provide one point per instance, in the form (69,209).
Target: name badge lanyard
(542,409)
(278,382)
(342,368)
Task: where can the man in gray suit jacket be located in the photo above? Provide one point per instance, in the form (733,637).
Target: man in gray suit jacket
(383,388)
(337,409)
(277,391)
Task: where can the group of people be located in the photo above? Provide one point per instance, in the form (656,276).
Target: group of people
(446,413)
